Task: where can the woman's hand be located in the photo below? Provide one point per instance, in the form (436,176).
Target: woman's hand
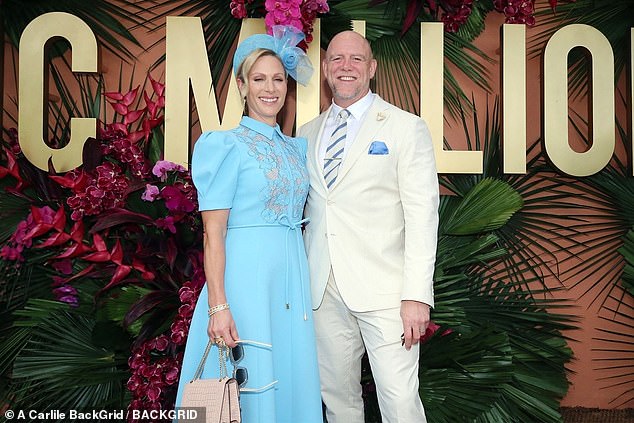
(221,325)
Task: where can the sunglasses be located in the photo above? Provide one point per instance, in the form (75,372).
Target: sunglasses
(240,373)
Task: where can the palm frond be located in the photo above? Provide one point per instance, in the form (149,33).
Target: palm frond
(11,209)
(612,18)
(475,24)
(399,54)
(498,268)
(104,18)
(526,236)
(607,218)
(487,206)
(456,367)
(627,251)
(60,359)
(613,354)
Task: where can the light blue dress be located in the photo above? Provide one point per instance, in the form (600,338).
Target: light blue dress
(260,175)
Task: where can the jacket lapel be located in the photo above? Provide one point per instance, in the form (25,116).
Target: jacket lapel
(374,119)
(314,161)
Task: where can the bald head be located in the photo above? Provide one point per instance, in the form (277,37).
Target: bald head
(348,37)
(349,66)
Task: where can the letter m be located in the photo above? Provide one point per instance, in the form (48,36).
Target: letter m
(187,67)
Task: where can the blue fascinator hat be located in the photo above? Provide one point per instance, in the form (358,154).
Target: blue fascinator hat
(284,43)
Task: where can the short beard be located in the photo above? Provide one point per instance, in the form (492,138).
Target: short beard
(353,95)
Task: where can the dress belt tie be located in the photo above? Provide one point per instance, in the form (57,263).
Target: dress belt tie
(284,220)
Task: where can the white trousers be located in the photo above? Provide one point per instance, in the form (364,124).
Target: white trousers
(342,336)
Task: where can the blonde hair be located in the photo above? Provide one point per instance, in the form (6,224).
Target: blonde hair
(245,69)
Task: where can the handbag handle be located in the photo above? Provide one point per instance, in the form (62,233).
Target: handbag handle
(223,354)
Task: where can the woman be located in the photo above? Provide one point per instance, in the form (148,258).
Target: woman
(252,184)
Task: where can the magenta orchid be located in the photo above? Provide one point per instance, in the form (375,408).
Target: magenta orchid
(300,14)
(124,222)
(151,192)
(162,167)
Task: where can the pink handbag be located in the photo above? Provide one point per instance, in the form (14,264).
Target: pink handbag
(219,397)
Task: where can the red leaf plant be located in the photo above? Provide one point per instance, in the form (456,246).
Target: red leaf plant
(123,224)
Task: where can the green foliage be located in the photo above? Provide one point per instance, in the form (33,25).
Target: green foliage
(458,367)
(398,53)
(627,251)
(499,354)
(119,303)
(608,216)
(607,273)
(11,207)
(105,18)
(57,354)
(474,26)
(612,18)
(486,207)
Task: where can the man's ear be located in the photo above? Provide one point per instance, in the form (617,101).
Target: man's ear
(373,65)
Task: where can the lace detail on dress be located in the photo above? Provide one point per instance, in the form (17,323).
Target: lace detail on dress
(284,166)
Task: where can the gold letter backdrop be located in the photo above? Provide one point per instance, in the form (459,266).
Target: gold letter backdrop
(188,70)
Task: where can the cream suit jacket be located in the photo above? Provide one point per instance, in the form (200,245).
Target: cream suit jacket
(377,225)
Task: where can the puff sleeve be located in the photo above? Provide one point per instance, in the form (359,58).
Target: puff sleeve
(215,167)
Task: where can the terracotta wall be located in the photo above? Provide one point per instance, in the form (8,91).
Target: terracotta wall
(588,386)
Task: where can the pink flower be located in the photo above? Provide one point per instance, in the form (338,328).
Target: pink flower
(147,370)
(103,189)
(67,294)
(518,11)
(65,267)
(186,310)
(283,12)
(58,281)
(238,9)
(12,253)
(455,13)
(150,193)
(65,290)
(171,375)
(176,201)
(22,237)
(134,383)
(161,343)
(153,393)
(431,329)
(136,361)
(186,294)
(161,168)
(179,330)
(123,147)
(166,223)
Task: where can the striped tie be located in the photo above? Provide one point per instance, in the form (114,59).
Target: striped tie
(332,158)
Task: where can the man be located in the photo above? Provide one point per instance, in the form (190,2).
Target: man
(371,240)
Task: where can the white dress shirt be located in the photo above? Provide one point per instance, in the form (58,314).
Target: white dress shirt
(357,113)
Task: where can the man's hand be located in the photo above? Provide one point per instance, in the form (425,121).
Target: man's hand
(415,316)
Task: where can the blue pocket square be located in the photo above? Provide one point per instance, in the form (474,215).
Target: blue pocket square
(378,147)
